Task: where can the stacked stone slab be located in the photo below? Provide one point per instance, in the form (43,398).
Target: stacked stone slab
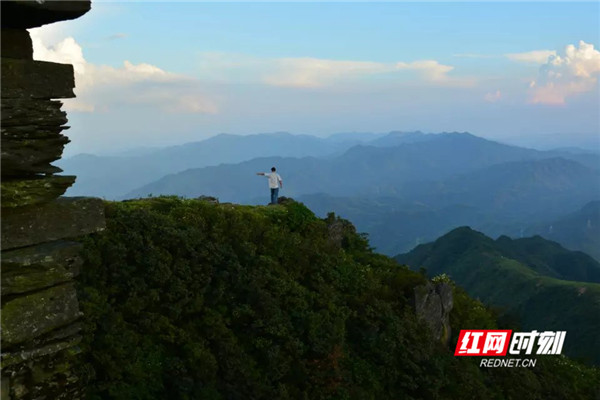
(40,259)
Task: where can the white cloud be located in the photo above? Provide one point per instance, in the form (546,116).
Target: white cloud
(534,57)
(493,97)
(314,72)
(67,51)
(102,87)
(308,72)
(433,71)
(562,76)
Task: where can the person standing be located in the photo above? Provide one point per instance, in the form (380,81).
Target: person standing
(275,183)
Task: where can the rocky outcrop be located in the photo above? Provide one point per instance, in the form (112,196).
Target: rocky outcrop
(433,303)
(26,14)
(62,218)
(32,268)
(338,230)
(208,199)
(40,310)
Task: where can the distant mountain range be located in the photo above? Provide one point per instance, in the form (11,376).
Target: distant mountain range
(414,191)
(117,175)
(114,176)
(403,188)
(361,170)
(579,230)
(543,285)
(552,185)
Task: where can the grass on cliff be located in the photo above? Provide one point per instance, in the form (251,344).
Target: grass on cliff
(185,299)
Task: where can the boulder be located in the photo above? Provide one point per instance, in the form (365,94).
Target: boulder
(209,199)
(338,230)
(433,304)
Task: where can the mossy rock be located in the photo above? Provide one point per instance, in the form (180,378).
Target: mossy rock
(50,376)
(27,317)
(19,193)
(36,267)
(65,217)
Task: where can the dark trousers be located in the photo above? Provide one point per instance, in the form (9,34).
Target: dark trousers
(274,195)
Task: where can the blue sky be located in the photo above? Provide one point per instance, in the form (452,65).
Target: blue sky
(153,73)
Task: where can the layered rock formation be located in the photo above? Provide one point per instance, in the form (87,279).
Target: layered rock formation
(40,311)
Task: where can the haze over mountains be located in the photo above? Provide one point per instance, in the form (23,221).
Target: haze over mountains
(579,230)
(361,170)
(114,176)
(401,188)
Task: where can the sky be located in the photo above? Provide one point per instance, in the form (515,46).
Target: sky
(152,74)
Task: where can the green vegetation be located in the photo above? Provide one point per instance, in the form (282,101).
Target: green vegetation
(185,299)
(519,277)
(551,259)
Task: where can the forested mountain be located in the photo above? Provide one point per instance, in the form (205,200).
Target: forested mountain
(188,299)
(397,226)
(550,258)
(536,281)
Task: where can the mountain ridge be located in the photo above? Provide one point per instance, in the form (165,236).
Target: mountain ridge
(523,281)
(115,175)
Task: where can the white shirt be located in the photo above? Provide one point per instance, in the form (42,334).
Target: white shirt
(274,179)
